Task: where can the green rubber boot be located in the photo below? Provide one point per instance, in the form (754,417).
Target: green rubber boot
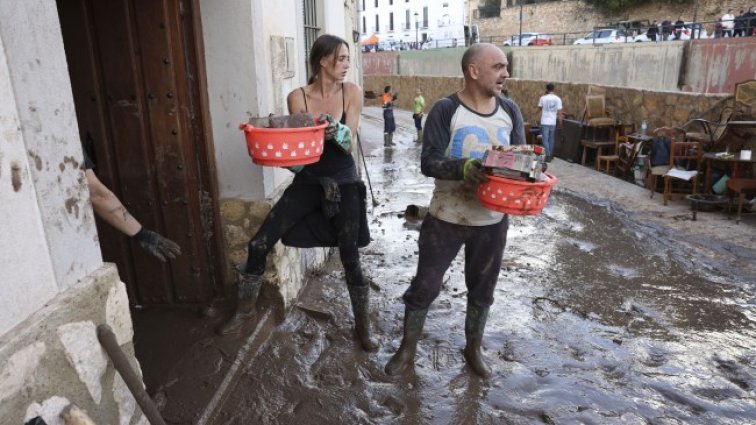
(413,331)
(360,297)
(247,291)
(475,325)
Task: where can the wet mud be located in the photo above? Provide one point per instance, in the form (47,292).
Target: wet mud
(597,320)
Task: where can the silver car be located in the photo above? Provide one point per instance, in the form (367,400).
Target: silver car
(605,36)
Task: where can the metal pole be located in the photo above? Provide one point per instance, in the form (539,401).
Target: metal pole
(521,22)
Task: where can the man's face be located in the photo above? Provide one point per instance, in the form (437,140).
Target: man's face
(490,70)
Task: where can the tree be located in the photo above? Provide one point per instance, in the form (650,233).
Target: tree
(617,6)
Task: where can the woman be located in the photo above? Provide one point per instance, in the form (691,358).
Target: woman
(331,185)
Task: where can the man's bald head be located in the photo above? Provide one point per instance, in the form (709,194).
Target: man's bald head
(473,54)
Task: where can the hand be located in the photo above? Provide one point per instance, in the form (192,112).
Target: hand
(472,172)
(162,248)
(333,126)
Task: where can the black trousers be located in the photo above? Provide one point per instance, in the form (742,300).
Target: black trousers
(297,201)
(439,243)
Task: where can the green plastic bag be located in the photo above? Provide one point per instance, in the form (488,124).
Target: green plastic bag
(720,186)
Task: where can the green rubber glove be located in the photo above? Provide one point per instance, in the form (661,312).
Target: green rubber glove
(472,172)
(337,132)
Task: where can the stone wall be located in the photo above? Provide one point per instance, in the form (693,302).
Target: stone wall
(576,16)
(285,274)
(53,358)
(628,105)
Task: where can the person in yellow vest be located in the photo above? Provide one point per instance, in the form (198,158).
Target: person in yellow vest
(418,105)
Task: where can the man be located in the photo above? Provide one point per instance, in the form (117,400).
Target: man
(418,105)
(458,131)
(728,23)
(653,30)
(550,106)
(389,125)
(109,208)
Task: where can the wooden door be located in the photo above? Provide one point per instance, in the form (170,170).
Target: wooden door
(134,72)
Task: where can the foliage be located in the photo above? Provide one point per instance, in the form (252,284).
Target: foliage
(619,6)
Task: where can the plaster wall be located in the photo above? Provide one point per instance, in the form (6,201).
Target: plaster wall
(25,289)
(651,66)
(36,71)
(53,358)
(715,66)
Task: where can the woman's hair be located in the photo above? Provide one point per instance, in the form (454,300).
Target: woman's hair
(324,46)
(387,89)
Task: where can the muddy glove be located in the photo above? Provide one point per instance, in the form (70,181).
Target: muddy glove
(337,132)
(162,248)
(472,172)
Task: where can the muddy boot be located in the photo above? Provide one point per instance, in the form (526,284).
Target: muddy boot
(247,291)
(419,136)
(413,330)
(360,296)
(475,325)
(388,140)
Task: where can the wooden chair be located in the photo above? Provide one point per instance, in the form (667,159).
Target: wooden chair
(710,133)
(683,156)
(741,187)
(606,162)
(654,171)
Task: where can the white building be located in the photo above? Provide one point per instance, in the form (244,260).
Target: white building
(400,22)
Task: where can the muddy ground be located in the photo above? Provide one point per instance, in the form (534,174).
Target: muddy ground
(605,313)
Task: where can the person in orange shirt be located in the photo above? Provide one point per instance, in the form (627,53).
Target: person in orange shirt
(389,125)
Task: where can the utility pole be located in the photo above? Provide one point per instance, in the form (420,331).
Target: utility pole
(521,2)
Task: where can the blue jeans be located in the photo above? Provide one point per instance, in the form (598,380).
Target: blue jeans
(547,138)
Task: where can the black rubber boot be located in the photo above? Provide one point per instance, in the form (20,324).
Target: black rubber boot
(388,140)
(247,290)
(475,325)
(419,136)
(413,330)
(360,296)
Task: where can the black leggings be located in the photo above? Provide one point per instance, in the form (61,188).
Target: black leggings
(297,201)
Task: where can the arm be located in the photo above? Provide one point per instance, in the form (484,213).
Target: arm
(433,159)
(518,123)
(353,108)
(108,207)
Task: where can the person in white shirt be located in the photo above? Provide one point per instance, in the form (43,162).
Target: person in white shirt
(550,106)
(728,23)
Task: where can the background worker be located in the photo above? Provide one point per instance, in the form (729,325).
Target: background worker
(550,106)
(389,125)
(418,105)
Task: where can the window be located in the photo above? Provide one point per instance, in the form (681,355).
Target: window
(391,2)
(391,21)
(364,25)
(407,20)
(376,3)
(311,29)
(377,27)
(425,17)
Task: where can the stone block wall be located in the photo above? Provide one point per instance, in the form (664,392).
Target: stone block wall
(53,358)
(628,105)
(286,270)
(576,16)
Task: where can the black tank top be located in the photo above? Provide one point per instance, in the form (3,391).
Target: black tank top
(334,162)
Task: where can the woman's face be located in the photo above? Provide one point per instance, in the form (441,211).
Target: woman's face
(337,64)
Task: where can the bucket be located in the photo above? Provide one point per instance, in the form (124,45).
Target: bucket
(284,147)
(515,197)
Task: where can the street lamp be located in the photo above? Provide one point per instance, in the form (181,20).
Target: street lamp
(417,26)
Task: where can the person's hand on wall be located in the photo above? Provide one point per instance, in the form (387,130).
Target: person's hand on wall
(160,247)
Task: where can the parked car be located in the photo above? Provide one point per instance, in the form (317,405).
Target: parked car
(604,36)
(530,39)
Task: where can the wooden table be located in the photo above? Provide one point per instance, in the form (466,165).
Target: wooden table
(600,144)
(734,163)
